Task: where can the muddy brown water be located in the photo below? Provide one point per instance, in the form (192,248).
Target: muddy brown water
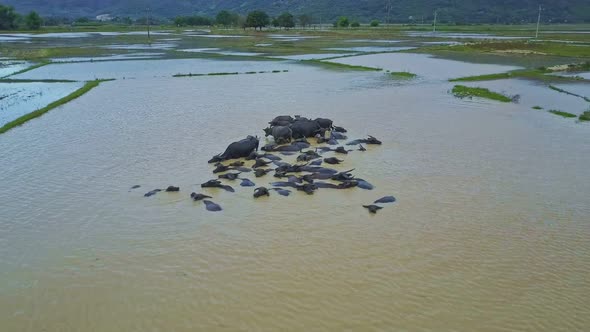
(490,231)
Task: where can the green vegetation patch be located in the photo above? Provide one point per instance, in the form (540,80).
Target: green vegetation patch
(585,116)
(518,47)
(462,91)
(87,87)
(339,66)
(563,114)
(537,107)
(402,74)
(539,74)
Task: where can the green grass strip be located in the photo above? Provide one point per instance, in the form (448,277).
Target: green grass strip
(488,77)
(18,122)
(402,74)
(462,91)
(39,65)
(585,116)
(563,114)
(553,87)
(339,66)
(534,74)
(537,107)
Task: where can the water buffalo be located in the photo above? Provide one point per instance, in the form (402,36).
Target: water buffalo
(213,207)
(333,161)
(324,123)
(370,140)
(261,191)
(372,208)
(281,120)
(240,149)
(281,134)
(199,197)
(386,199)
(305,128)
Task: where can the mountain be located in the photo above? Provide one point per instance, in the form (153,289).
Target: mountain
(451,11)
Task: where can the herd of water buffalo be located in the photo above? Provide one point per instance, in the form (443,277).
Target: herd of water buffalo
(291,137)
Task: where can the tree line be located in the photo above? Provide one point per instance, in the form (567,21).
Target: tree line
(257,19)
(11,20)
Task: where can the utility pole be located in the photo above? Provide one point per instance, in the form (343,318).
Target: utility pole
(434,24)
(389,12)
(148,24)
(538,23)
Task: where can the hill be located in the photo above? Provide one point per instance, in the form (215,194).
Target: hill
(450,11)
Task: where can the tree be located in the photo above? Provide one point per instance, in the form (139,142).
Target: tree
(305,20)
(342,22)
(33,21)
(8,18)
(257,19)
(286,20)
(224,18)
(275,22)
(355,24)
(83,20)
(375,23)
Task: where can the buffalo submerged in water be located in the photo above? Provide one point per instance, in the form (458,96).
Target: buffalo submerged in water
(289,137)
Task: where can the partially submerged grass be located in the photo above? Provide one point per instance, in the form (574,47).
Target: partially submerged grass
(462,91)
(537,107)
(553,87)
(19,121)
(539,74)
(230,73)
(521,47)
(585,116)
(402,74)
(339,66)
(563,114)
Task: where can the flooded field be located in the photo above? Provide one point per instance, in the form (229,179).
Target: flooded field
(489,232)
(18,99)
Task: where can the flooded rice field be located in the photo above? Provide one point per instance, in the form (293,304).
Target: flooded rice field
(147,68)
(9,67)
(489,232)
(18,99)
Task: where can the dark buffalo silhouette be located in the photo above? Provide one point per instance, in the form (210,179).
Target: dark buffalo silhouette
(240,149)
(281,134)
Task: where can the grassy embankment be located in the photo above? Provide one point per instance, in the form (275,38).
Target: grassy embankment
(563,114)
(585,116)
(339,66)
(540,74)
(462,91)
(402,74)
(521,47)
(19,121)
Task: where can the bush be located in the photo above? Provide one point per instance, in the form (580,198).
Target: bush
(342,22)
(374,23)
(355,24)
